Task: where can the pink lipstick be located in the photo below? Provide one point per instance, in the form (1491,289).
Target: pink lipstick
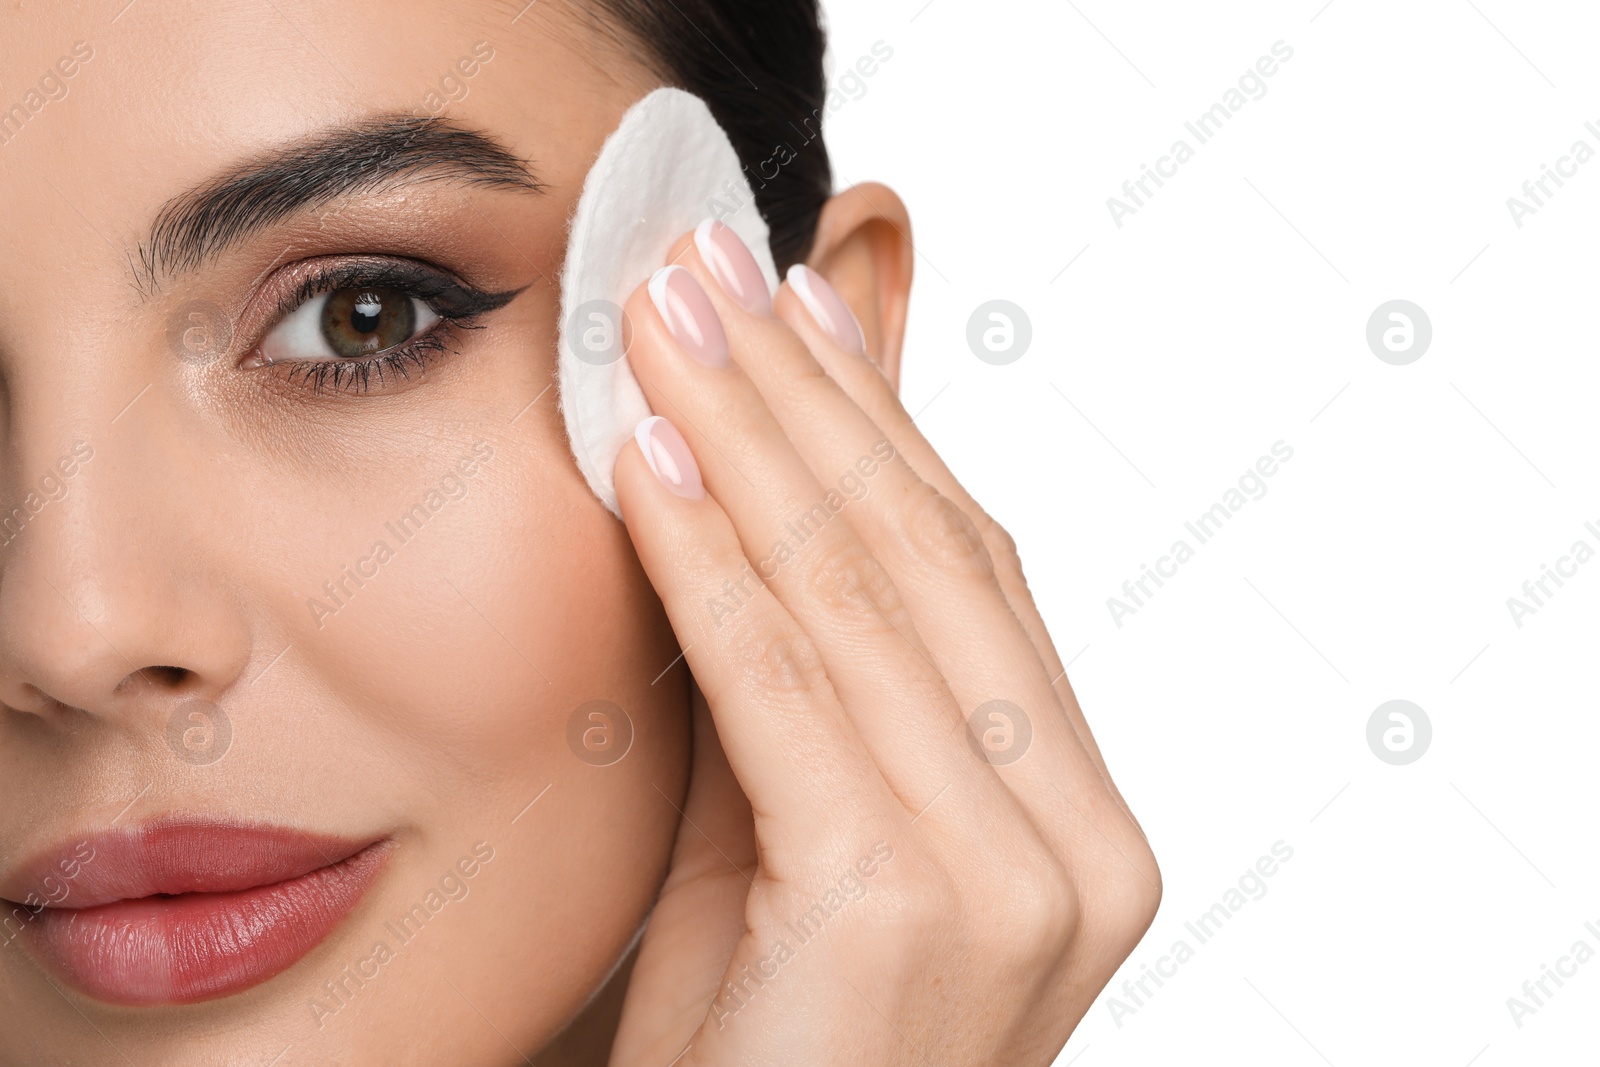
(185,911)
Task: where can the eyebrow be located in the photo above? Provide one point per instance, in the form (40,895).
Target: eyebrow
(337,162)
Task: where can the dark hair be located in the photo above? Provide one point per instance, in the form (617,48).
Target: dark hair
(758,65)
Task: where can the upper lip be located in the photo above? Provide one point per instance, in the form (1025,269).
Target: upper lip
(171,857)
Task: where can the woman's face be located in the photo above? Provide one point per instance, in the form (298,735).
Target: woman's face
(257,576)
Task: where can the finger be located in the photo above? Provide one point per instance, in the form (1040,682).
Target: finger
(717,834)
(788,741)
(817,568)
(928,547)
(938,556)
(866,385)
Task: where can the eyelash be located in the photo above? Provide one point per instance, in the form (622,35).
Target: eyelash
(458,306)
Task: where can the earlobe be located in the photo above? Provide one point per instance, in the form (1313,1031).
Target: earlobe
(863,247)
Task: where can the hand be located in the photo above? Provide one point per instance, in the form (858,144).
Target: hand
(860,876)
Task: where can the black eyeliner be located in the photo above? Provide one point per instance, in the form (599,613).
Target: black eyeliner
(458,306)
(449,299)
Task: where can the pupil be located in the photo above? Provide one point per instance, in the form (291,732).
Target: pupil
(369,306)
(358,323)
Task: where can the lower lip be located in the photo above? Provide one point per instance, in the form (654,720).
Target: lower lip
(199,946)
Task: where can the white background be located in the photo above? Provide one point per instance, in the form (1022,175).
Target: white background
(1230,313)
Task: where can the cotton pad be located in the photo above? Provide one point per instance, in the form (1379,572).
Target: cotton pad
(667,166)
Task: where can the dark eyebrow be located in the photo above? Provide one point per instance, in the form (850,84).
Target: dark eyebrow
(306,174)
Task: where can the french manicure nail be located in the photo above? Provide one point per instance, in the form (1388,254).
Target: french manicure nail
(687,311)
(733,266)
(669,457)
(828,308)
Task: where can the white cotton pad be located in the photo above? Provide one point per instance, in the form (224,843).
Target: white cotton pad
(667,166)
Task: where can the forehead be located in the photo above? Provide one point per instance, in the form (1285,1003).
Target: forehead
(108,111)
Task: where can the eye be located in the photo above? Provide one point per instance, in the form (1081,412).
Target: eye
(365,324)
(353,323)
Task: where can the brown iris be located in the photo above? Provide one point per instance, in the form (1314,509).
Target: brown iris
(361,322)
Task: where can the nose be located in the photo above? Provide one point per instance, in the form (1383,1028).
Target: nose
(111,601)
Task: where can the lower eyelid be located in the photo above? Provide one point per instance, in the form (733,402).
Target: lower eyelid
(378,374)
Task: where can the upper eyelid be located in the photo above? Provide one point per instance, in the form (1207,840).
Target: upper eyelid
(385,274)
(298,283)
(288,287)
(407,275)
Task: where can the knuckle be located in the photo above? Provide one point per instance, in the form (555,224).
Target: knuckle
(1137,894)
(940,534)
(916,904)
(739,425)
(1124,894)
(1035,909)
(848,579)
(1001,545)
(735,419)
(892,909)
(775,660)
(1052,902)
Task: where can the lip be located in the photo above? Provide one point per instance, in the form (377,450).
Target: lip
(180,911)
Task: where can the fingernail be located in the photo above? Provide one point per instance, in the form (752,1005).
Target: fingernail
(828,308)
(733,266)
(669,457)
(687,311)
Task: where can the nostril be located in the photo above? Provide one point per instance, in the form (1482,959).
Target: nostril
(39,702)
(160,676)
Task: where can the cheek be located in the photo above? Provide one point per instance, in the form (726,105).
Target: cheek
(455,673)
(504,635)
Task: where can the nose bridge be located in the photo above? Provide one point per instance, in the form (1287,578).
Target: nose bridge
(104,563)
(38,479)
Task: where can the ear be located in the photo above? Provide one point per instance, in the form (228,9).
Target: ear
(863,247)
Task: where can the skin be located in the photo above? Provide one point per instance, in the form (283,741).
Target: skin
(433,706)
(977,904)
